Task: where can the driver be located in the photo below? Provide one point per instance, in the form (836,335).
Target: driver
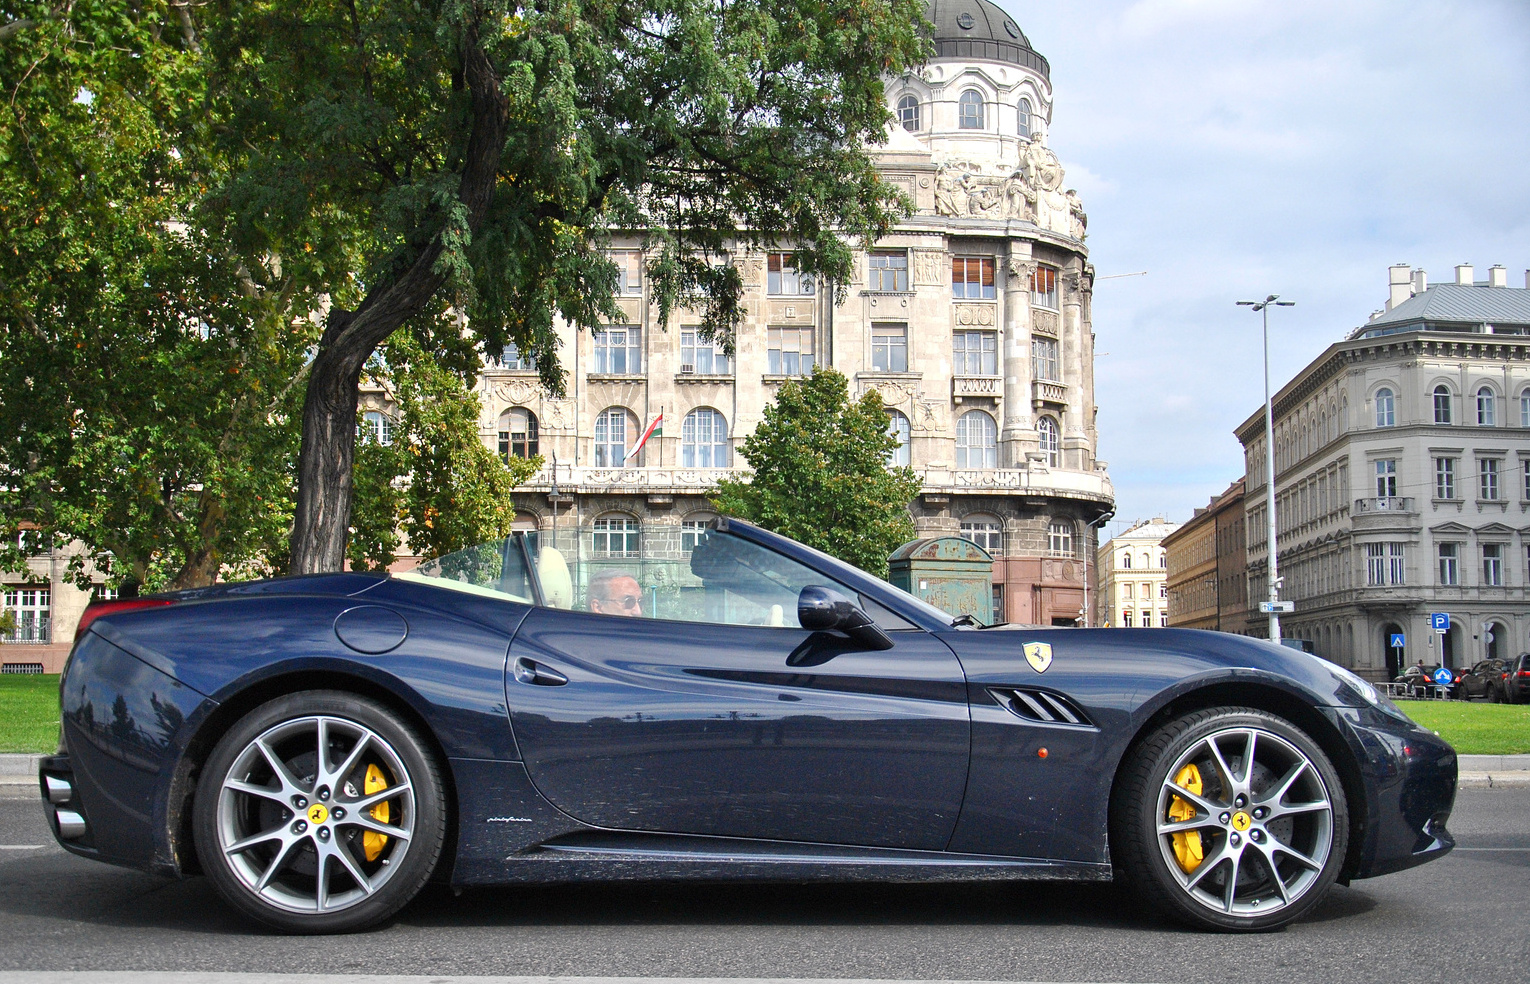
(616,593)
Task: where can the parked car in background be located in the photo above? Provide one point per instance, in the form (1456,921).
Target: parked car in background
(1418,679)
(1514,682)
(1482,680)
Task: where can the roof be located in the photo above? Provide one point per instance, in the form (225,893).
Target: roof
(980,30)
(1146,531)
(1475,304)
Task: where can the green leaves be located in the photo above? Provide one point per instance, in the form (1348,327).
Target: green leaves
(821,475)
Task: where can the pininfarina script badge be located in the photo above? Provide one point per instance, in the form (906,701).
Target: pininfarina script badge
(1039,655)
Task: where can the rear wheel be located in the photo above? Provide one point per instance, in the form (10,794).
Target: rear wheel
(1230,819)
(319,812)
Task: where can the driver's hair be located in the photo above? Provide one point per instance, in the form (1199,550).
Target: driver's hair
(600,584)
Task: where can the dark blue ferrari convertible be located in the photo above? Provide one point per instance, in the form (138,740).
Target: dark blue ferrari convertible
(718,705)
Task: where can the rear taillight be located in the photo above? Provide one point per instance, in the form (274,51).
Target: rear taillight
(100,608)
(1524,673)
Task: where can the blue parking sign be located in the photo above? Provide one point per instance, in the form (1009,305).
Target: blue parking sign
(1439,621)
(1398,640)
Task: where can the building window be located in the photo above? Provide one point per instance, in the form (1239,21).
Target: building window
(692,530)
(1527,479)
(789,351)
(1386,478)
(629,270)
(1060,539)
(908,113)
(1386,408)
(972,276)
(511,358)
(611,429)
(969,109)
(1044,359)
(518,434)
(783,278)
(889,270)
(616,535)
(985,531)
(977,443)
(1396,562)
(618,351)
(1163,561)
(1524,409)
(1126,561)
(1023,119)
(1487,470)
(974,353)
(1450,557)
(898,427)
(1444,478)
(1163,589)
(33,610)
(1044,287)
(889,348)
(376,427)
(1492,565)
(1163,620)
(701,356)
(1046,427)
(1384,563)
(1126,591)
(1487,405)
(1126,620)
(704,440)
(1442,404)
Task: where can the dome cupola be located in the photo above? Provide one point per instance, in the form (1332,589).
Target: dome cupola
(980,30)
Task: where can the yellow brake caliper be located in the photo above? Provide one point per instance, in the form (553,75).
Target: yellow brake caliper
(1187,845)
(373,844)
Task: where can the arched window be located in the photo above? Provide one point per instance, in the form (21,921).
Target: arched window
(1524,408)
(518,434)
(1060,538)
(376,427)
(616,535)
(970,110)
(1386,408)
(704,440)
(986,531)
(1442,404)
(1126,561)
(528,524)
(977,441)
(1024,119)
(908,113)
(1487,406)
(898,427)
(613,428)
(1047,428)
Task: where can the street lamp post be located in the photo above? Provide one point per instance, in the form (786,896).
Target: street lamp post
(1269,459)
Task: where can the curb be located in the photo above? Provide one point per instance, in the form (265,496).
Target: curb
(14,768)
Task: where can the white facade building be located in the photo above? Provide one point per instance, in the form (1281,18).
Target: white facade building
(1134,577)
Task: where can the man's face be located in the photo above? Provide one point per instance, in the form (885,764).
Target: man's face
(623,597)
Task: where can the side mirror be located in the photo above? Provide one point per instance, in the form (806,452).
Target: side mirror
(824,609)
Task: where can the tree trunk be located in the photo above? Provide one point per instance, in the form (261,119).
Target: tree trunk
(321,523)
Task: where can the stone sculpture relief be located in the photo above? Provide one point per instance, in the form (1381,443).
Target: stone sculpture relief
(1030,192)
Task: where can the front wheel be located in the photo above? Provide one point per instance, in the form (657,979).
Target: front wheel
(1231,819)
(319,812)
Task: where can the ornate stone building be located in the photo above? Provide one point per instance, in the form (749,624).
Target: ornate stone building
(1402,476)
(972,320)
(1133,577)
(1207,562)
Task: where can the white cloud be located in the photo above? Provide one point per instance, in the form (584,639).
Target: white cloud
(1235,148)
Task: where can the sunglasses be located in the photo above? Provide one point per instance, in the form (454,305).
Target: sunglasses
(628,602)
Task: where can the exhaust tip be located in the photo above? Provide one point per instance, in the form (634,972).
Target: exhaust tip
(59,790)
(71,826)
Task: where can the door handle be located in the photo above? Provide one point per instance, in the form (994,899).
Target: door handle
(534,673)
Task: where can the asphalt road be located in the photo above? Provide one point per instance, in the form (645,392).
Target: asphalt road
(1463,918)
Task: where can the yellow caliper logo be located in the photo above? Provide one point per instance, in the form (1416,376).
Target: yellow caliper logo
(1242,821)
(317,813)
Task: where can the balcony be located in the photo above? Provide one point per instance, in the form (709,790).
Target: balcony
(988,387)
(1047,392)
(1384,504)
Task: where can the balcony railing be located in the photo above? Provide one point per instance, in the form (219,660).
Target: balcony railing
(29,633)
(1384,504)
(964,386)
(1046,391)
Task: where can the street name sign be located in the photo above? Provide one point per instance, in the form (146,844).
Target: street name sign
(1277,607)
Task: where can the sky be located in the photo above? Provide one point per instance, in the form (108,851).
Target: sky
(1239,148)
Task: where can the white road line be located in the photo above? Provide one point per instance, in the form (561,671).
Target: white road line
(139,977)
(22,847)
(1493,848)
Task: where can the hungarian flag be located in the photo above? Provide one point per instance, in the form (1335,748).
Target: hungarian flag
(653,428)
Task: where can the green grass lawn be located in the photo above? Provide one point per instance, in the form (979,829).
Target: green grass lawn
(29,712)
(1475,729)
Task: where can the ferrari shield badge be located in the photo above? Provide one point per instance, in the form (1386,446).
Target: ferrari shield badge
(1039,655)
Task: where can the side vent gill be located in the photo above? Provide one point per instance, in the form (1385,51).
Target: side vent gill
(1040,706)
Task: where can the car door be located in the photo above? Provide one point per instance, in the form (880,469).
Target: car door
(711,725)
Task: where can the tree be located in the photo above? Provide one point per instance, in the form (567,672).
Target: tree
(821,473)
(435,481)
(419,159)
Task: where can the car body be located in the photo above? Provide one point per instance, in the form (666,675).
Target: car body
(1514,681)
(1484,680)
(861,736)
(1420,680)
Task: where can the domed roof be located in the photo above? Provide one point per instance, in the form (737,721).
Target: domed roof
(978,29)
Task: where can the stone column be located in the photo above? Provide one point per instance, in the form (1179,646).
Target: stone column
(1075,372)
(1016,433)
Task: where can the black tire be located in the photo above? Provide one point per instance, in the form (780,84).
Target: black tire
(1237,848)
(304,836)
(1492,693)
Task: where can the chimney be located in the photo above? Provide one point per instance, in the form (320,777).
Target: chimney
(1498,276)
(1464,274)
(1421,280)
(1399,284)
